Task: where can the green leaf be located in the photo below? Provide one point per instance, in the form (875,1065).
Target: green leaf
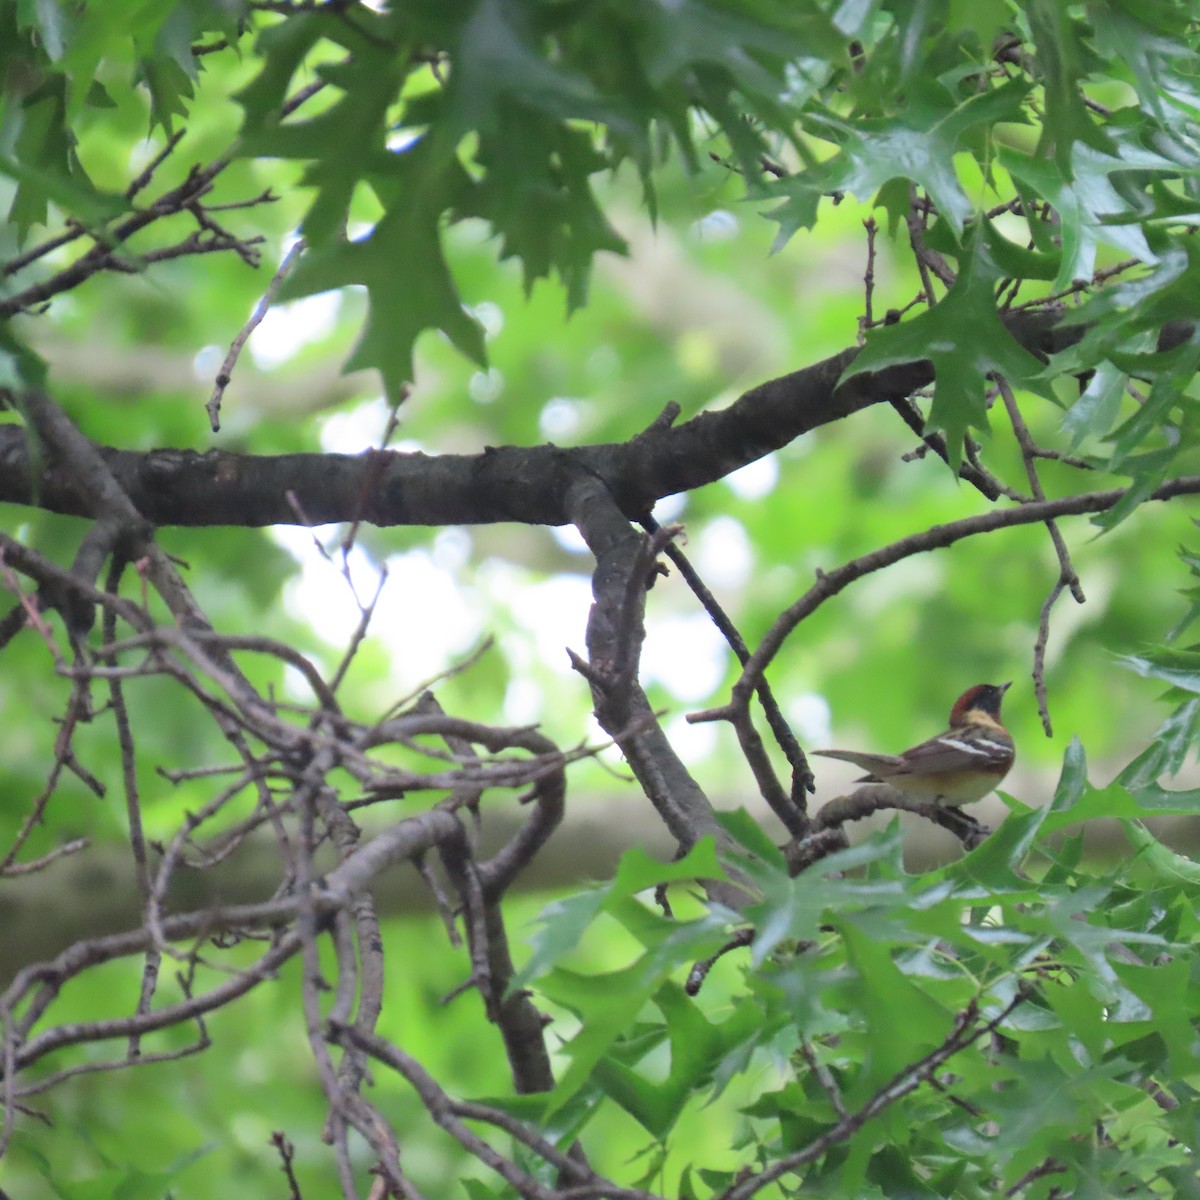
(697,1047)
(793,908)
(408,282)
(638,871)
(1147,472)
(1158,865)
(562,923)
(1138,303)
(170,90)
(1166,988)
(54,25)
(42,160)
(965,340)
(476,1189)
(497,62)
(1179,668)
(347,141)
(995,864)
(881,991)
(1090,209)
(608,1003)
(1154,46)
(20,366)
(1019,262)
(689,33)
(1076,800)
(918,145)
(281,49)
(749,834)
(1171,372)
(1059,55)
(1094,413)
(536,193)
(1168,750)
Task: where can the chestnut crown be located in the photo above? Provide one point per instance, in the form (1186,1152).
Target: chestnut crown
(983,698)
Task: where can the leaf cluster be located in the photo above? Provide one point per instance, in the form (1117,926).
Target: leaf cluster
(1071,978)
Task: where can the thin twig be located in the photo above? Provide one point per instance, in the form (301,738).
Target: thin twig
(792,811)
(1067,577)
(830,583)
(867,320)
(225,372)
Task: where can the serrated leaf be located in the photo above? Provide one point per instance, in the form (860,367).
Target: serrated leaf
(281,48)
(1067,121)
(1097,803)
(408,282)
(1171,372)
(1173,741)
(536,193)
(638,871)
(1166,989)
(1094,413)
(1137,303)
(1091,211)
(688,33)
(1161,61)
(1179,668)
(697,1046)
(748,833)
(607,1005)
(1147,471)
(39,161)
(965,340)
(918,145)
(1076,800)
(170,90)
(1072,780)
(1189,617)
(346,142)
(882,990)
(995,863)
(497,62)
(562,923)
(792,908)
(1160,864)
(560,927)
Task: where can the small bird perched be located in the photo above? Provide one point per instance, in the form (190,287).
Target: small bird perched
(957,767)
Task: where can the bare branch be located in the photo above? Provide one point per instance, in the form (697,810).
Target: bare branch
(1067,578)
(224,374)
(830,583)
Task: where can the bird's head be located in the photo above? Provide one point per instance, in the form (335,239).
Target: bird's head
(979,705)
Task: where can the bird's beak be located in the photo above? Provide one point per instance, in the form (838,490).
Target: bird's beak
(1004,687)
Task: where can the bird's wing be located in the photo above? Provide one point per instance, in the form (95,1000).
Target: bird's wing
(955,751)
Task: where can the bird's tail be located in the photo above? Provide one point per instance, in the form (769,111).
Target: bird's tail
(877,764)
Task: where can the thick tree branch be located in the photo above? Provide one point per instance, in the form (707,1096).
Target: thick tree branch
(524,484)
(614,638)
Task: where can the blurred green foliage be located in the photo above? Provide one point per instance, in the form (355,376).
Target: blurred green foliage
(555,246)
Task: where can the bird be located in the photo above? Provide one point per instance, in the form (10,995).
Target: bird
(957,767)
